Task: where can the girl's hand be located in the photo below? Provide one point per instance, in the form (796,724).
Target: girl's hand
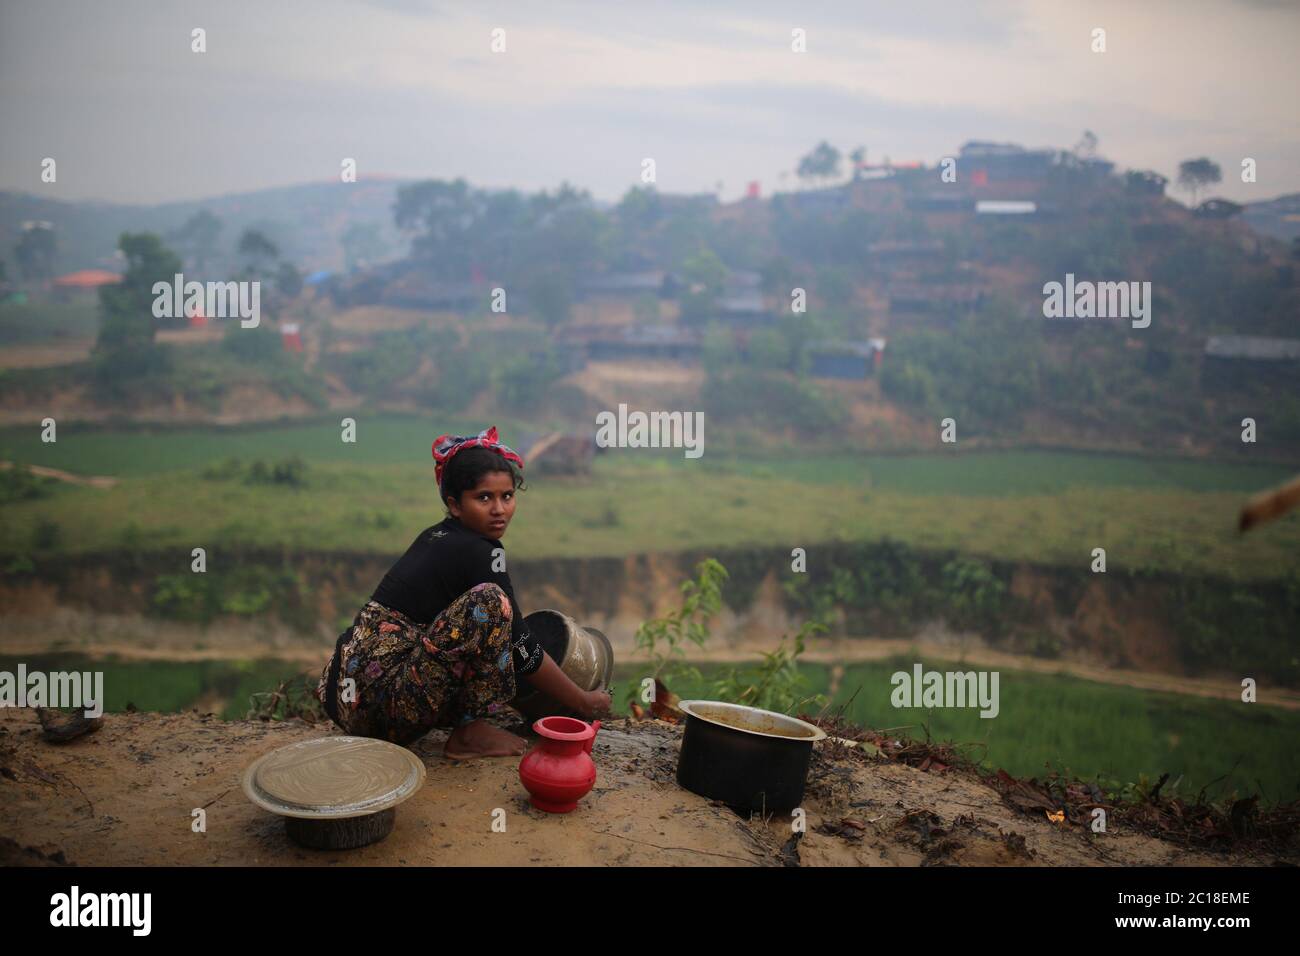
(597,703)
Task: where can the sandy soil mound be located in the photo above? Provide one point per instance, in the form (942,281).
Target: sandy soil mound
(125,795)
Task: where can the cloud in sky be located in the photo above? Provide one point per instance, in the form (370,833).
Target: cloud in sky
(586,90)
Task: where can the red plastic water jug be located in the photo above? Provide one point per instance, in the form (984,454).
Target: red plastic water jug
(559,771)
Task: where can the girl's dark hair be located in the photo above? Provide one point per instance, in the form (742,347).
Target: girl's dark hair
(467,468)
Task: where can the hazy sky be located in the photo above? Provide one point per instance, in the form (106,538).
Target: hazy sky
(584,91)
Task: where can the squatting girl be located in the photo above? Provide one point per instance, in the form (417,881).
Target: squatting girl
(442,641)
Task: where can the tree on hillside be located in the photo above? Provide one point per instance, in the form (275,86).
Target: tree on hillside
(859,158)
(1219,209)
(288,280)
(259,252)
(441,217)
(522,379)
(546,204)
(567,238)
(778,278)
(550,296)
(457,231)
(363,244)
(1145,182)
(126,309)
(1196,174)
(639,208)
(821,164)
(705,275)
(35,251)
(1086,147)
(197,238)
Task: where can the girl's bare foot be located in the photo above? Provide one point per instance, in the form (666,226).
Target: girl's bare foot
(481,739)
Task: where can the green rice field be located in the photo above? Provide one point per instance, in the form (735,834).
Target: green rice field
(389,439)
(373,496)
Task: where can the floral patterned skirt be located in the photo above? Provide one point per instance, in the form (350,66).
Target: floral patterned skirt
(399,679)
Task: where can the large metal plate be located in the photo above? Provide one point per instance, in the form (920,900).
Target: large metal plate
(331,778)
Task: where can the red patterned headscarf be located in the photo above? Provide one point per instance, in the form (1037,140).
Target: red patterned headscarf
(445,447)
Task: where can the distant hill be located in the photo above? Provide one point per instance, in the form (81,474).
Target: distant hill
(306,221)
(925,299)
(1279,218)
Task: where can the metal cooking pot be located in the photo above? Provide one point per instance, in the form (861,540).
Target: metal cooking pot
(583,653)
(748,758)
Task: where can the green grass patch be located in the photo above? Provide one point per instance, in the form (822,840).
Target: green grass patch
(1011,473)
(629,509)
(34,322)
(391,439)
(148,451)
(170,686)
(1040,507)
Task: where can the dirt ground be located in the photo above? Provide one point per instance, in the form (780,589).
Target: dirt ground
(46,354)
(125,795)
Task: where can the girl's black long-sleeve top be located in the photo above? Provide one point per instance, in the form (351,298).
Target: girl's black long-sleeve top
(441,564)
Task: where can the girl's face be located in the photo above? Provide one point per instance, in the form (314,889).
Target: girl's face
(489,507)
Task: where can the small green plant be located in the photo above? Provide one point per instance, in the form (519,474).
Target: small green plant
(976,596)
(225,470)
(608,518)
(777,683)
(46,535)
(1043,643)
(290,471)
(289,699)
(247,591)
(252,598)
(664,638)
(131,537)
(185,597)
(20,564)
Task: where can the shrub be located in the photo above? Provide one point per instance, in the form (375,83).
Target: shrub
(663,638)
(775,684)
(46,535)
(291,472)
(20,484)
(259,344)
(975,596)
(770,398)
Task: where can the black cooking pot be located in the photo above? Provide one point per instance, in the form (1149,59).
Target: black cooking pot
(748,758)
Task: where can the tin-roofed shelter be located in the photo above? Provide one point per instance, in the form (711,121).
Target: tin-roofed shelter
(843,359)
(616,343)
(87,279)
(1253,348)
(1234,361)
(1005,207)
(86,282)
(934,297)
(651,282)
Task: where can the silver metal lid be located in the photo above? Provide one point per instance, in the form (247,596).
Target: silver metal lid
(331,778)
